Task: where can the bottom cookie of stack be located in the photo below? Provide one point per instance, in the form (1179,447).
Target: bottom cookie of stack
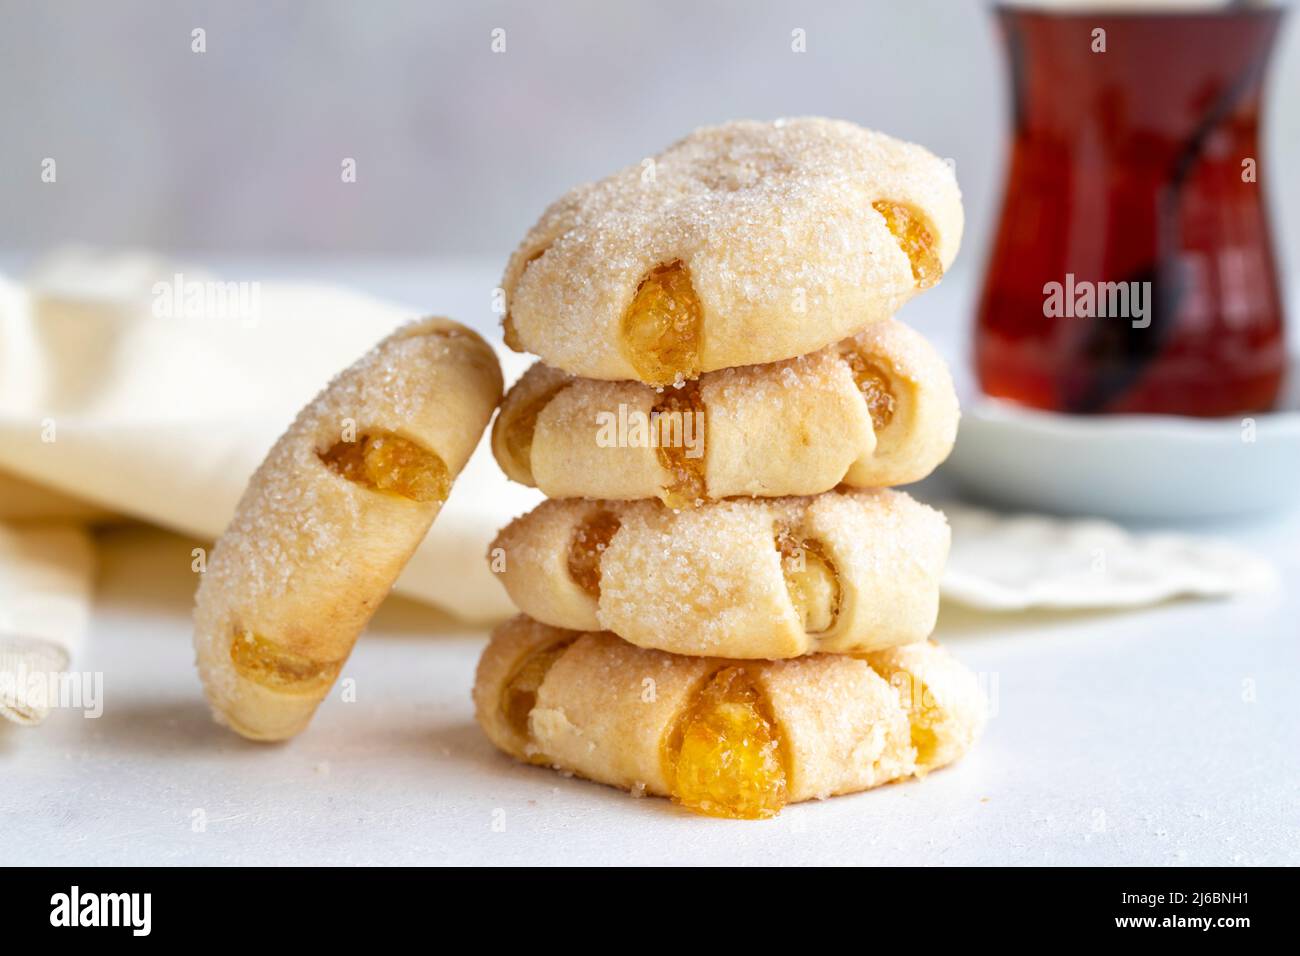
(725,738)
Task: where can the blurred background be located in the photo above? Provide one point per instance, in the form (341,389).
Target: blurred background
(230,163)
(457,148)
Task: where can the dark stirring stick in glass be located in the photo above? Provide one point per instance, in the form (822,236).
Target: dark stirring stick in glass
(1116,351)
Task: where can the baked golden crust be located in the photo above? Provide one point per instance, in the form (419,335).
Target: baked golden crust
(740,579)
(775,227)
(797,427)
(329,519)
(945,708)
(611,712)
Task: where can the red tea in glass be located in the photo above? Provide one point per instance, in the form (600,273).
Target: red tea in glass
(1135,174)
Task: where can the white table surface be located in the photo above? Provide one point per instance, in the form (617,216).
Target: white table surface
(1169,735)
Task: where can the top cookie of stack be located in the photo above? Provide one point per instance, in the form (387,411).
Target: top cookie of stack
(742,244)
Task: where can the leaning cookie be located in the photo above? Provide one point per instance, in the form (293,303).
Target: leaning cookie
(845,571)
(741,244)
(874,410)
(330,518)
(726,738)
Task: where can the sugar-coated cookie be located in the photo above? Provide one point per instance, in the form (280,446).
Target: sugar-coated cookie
(726,738)
(845,571)
(745,243)
(874,410)
(330,518)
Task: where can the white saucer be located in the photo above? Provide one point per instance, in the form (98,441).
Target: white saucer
(1160,467)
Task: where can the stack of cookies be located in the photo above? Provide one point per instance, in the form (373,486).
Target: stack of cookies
(723,601)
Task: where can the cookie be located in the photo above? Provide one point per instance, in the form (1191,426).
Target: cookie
(742,244)
(849,570)
(874,410)
(331,517)
(726,738)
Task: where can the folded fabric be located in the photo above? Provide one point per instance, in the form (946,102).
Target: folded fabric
(153,391)
(46,573)
(26,501)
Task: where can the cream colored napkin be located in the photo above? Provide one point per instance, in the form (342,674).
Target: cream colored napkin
(46,573)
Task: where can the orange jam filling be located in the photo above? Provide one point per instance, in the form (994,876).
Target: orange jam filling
(519,696)
(260,661)
(724,758)
(923,715)
(389,463)
(661,330)
(522,425)
(810,579)
(873,382)
(915,239)
(926,742)
(589,541)
(679,417)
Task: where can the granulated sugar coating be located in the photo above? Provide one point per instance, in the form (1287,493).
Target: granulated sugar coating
(320,533)
(798,729)
(281,524)
(800,426)
(711,581)
(772,222)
